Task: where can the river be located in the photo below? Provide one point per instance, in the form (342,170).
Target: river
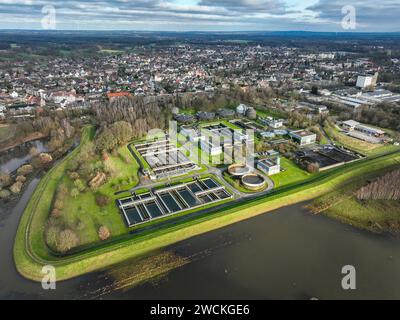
(286,254)
(12,160)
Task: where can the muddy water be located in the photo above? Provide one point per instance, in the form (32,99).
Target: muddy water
(287,254)
(12,160)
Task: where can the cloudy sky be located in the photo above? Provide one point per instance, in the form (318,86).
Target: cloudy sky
(200,15)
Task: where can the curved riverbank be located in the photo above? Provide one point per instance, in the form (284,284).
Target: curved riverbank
(31,253)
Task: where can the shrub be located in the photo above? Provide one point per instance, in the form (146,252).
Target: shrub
(51,234)
(102,200)
(25,170)
(56,213)
(16,187)
(67,240)
(74,176)
(75,193)
(79,184)
(45,158)
(58,204)
(4,194)
(21,179)
(62,192)
(104,233)
(33,151)
(5,179)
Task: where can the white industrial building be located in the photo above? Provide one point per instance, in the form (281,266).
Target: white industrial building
(270,166)
(352,125)
(273,123)
(303,137)
(365,81)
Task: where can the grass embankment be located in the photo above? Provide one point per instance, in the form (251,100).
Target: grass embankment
(31,253)
(362,147)
(373,215)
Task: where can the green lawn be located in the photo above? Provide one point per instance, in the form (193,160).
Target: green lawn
(292,174)
(84,208)
(271,113)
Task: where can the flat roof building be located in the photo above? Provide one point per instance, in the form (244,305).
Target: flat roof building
(270,166)
(303,137)
(352,125)
(273,123)
(365,81)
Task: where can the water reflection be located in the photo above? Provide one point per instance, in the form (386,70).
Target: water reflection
(21,155)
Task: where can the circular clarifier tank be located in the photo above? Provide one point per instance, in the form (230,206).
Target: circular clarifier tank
(239,170)
(254,182)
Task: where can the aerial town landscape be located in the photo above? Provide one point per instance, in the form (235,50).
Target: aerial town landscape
(132,162)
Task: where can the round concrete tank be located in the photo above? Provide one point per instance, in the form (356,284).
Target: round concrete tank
(239,170)
(254,182)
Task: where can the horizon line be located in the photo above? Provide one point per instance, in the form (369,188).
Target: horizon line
(195,31)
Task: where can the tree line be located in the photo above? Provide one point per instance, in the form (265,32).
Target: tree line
(386,187)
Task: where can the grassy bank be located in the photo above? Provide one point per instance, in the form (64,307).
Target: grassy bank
(373,215)
(31,253)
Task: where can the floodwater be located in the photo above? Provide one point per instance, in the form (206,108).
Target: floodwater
(287,254)
(12,160)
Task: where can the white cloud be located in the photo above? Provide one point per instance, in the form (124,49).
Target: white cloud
(317,15)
